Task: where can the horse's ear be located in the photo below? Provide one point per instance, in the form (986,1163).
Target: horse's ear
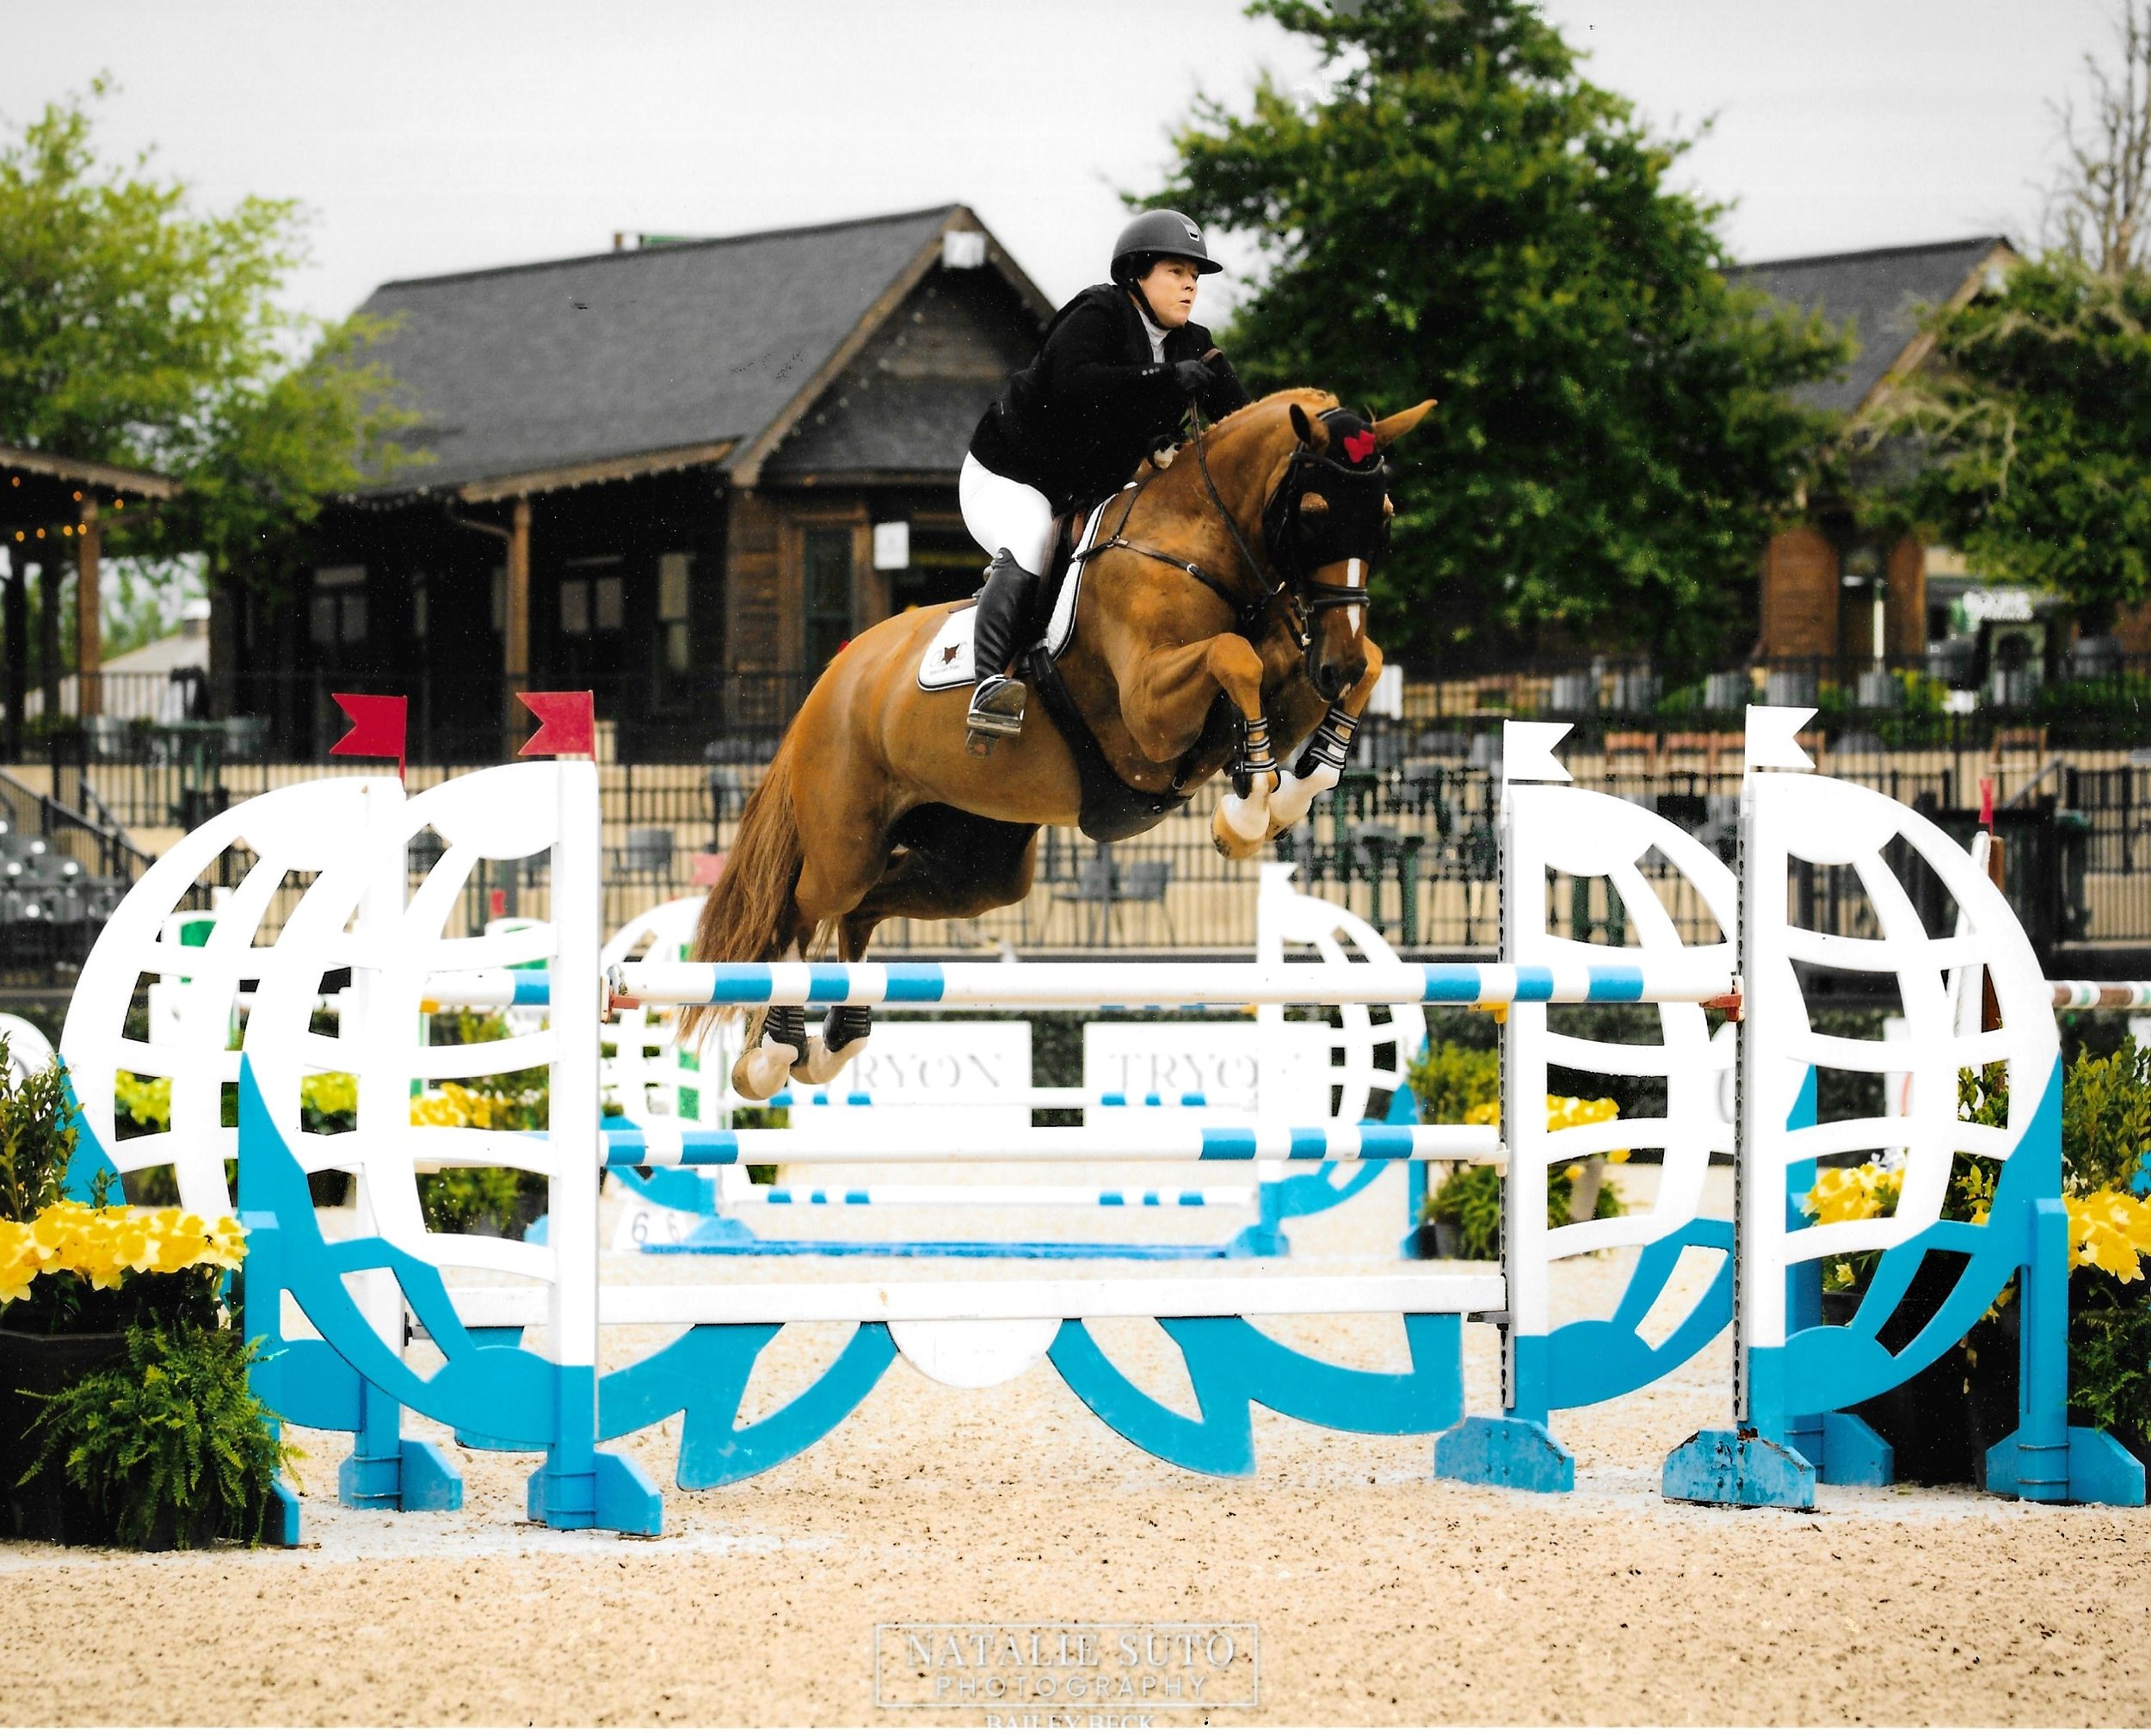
(1302,427)
(1394,428)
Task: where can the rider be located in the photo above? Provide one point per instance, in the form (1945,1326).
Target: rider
(1111,382)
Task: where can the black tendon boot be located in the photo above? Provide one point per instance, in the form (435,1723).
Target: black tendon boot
(1006,604)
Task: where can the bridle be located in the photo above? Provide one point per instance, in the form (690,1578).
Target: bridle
(1286,588)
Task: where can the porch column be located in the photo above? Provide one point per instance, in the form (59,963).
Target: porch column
(15,653)
(48,597)
(515,627)
(89,614)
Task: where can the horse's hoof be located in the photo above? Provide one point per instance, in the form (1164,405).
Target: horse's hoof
(1240,826)
(764,1070)
(1296,796)
(824,1063)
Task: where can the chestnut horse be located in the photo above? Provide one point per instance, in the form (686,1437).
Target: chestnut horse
(1222,604)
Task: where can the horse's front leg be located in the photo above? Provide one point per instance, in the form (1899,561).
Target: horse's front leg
(1322,762)
(1167,705)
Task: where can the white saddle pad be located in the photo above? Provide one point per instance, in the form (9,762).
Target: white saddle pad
(948,661)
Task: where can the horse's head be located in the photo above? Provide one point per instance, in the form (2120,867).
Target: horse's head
(1327,523)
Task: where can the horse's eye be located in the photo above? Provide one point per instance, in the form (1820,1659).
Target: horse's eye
(1313,503)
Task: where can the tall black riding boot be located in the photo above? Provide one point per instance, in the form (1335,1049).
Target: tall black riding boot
(1006,604)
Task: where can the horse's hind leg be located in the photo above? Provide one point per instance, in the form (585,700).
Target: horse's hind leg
(776,1038)
(946,863)
(826,1053)
(843,850)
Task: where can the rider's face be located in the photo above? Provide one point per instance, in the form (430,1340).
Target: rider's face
(1169,287)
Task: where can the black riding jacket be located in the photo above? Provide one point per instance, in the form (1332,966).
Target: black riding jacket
(1092,405)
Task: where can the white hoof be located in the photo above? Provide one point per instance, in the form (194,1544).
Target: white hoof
(823,1063)
(1295,796)
(1244,820)
(763,1070)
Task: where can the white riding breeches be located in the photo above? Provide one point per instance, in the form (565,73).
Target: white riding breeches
(1002,514)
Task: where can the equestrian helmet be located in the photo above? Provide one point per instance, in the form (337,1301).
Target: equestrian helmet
(1156,235)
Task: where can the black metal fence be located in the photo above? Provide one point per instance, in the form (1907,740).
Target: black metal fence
(1408,841)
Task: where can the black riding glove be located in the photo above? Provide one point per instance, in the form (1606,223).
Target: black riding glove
(1195,377)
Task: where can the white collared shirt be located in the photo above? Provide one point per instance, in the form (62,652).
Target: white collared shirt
(1157,331)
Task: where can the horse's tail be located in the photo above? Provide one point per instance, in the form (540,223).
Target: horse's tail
(753,911)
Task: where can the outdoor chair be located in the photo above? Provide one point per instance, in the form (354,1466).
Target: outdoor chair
(1091,892)
(647,852)
(244,738)
(1144,882)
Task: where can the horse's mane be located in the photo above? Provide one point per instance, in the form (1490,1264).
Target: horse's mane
(1170,483)
(1311,398)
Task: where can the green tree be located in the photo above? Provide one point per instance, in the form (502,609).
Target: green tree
(137,331)
(2026,439)
(1463,216)
(2032,427)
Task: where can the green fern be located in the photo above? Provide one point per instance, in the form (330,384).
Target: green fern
(169,1429)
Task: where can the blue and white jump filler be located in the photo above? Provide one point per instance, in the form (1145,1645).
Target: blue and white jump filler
(343,1300)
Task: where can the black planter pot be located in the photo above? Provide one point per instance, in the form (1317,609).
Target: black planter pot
(46,1508)
(204,1531)
(1436,1240)
(1940,1422)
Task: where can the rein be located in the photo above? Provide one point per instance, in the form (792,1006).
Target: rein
(1276,598)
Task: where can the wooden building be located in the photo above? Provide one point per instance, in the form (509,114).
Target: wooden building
(680,474)
(1822,580)
(53,509)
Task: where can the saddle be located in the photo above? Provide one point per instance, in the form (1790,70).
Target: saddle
(1111,810)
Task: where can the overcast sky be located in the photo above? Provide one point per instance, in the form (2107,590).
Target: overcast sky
(451,134)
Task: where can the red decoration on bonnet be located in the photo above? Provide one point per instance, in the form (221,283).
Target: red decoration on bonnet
(1360,447)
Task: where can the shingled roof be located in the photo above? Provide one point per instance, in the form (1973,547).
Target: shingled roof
(1879,294)
(687,353)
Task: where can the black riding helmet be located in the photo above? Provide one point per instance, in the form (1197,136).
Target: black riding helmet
(1158,234)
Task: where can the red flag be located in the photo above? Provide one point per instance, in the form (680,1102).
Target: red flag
(1986,804)
(567,724)
(377,723)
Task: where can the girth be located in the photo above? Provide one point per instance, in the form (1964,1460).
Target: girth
(1112,809)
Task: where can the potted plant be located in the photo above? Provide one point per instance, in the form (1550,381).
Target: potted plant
(1940,1422)
(92,1296)
(167,1442)
(1462,1217)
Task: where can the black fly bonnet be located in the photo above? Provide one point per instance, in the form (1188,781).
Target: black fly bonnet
(1351,477)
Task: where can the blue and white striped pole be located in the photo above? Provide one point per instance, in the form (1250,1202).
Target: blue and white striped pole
(1109,988)
(1340,1142)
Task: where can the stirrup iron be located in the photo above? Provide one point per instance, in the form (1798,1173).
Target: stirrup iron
(996,706)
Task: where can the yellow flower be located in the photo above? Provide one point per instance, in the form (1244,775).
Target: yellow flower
(2110,1230)
(1841,1195)
(1561,1111)
(104,1245)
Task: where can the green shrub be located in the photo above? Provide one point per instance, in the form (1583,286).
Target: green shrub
(1451,1080)
(1471,1200)
(169,1433)
(37,1140)
(2106,1118)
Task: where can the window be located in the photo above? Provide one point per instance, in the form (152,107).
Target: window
(676,644)
(942,565)
(336,613)
(827,559)
(592,597)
